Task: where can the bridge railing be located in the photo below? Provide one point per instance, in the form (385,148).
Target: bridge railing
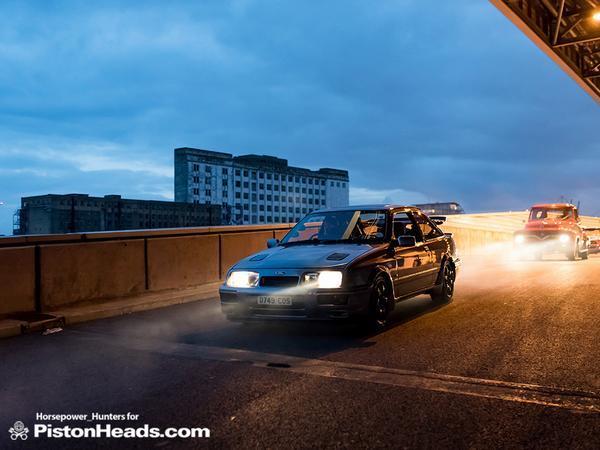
(41,273)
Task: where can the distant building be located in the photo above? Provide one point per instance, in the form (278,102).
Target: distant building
(72,213)
(442,209)
(254,189)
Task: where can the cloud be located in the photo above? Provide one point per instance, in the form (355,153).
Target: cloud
(419,100)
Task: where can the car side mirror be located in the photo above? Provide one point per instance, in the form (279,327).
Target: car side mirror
(406,241)
(272,243)
(438,220)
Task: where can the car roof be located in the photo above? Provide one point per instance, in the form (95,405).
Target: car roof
(370,207)
(554,205)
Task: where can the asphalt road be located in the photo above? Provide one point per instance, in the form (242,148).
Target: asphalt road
(512,361)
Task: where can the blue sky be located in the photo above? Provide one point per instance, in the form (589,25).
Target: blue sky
(419,100)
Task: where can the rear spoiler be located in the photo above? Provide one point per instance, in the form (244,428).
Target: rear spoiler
(438,220)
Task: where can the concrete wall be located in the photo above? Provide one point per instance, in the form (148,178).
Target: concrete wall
(17,279)
(90,267)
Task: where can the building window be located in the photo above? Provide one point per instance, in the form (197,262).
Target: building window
(237,172)
(208,169)
(196,179)
(196,191)
(276,187)
(323,202)
(224,171)
(310,181)
(246,184)
(322,182)
(253,186)
(261,175)
(269,208)
(245,173)
(269,176)
(310,191)
(261,207)
(238,184)
(253,175)
(196,167)
(338,184)
(245,196)
(208,193)
(261,196)
(322,192)
(269,198)
(276,176)
(276,198)
(332,184)
(343,185)
(238,195)
(262,218)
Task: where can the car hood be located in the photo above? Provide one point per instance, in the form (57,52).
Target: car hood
(305,256)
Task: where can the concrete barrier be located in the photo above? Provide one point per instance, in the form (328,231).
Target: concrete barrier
(17,280)
(74,273)
(47,273)
(182,261)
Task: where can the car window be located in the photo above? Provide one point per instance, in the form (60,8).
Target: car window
(428,230)
(404,226)
(549,213)
(337,226)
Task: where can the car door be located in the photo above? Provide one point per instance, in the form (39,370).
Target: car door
(408,274)
(432,248)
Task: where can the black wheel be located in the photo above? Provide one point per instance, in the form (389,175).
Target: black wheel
(444,291)
(584,253)
(573,252)
(379,304)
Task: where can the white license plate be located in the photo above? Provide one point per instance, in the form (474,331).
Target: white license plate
(274,300)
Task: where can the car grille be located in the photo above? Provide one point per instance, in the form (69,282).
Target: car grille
(270,281)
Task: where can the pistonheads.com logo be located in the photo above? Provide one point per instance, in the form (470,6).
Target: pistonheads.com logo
(18,431)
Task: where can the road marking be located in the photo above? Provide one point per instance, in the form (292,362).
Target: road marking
(571,399)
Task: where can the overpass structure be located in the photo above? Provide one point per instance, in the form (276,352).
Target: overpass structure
(568,31)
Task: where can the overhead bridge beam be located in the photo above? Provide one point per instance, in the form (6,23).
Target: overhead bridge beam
(546,23)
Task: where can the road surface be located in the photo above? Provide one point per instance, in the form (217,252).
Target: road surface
(512,361)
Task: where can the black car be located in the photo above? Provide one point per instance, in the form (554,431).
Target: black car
(353,262)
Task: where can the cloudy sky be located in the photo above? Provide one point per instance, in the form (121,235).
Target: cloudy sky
(419,99)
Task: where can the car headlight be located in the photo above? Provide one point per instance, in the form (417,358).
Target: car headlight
(327,279)
(564,238)
(519,239)
(242,279)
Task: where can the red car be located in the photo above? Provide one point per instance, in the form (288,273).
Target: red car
(553,228)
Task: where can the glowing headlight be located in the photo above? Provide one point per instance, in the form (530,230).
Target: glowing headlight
(242,279)
(519,239)
(564,238)
(328,279)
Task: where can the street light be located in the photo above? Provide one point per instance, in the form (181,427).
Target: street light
(596,16)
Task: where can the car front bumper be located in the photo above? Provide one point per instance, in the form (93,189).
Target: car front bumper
(338,304)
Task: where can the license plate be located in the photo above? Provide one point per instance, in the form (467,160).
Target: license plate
(274,300)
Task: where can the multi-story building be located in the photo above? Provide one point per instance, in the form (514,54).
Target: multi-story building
(72,213)
(256,188)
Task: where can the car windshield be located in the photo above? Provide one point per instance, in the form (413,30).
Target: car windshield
(550,213)
(338,226)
